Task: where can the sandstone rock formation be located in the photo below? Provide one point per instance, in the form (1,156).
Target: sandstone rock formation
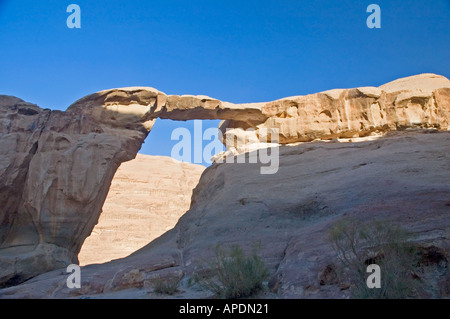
(146,198)
(56,167)
(401,178)
(417,101)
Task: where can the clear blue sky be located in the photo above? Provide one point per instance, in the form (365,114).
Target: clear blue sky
(237,51)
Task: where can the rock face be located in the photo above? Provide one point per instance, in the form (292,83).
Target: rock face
(146,198)
(56,167)
(401,178)
(417,101)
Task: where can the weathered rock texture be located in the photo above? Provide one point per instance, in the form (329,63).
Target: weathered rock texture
(417,101)
(402,178)
(146,198)
(56,167)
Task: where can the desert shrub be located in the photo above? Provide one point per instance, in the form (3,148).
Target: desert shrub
(166,286)
(235,275)
(358,245)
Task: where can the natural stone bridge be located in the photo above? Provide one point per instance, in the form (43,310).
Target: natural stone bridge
(56,167)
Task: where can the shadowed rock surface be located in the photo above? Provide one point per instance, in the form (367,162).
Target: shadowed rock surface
(56,169)
(402,178)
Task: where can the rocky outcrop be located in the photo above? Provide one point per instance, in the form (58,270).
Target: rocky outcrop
(417,101)
(146,198)
(56,167)
(401,178)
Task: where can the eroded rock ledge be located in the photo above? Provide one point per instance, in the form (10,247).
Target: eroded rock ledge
(56,167)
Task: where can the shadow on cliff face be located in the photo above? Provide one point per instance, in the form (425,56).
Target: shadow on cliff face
(55,173)
(402,177)
(56,169)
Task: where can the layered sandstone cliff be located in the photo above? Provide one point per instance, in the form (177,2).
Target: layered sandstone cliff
(146,198)
(417,101)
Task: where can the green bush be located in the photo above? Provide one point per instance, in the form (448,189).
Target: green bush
(357,245)
(166,286)
(234,275)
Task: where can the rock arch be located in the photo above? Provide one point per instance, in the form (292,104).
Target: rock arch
(56,167)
